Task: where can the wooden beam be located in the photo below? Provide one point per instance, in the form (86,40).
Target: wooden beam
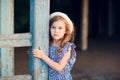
(6,27)
(17,77)
(15,36)
(84,29)
(15,40)
(39,27)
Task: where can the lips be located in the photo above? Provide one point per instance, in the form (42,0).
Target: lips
(55,34)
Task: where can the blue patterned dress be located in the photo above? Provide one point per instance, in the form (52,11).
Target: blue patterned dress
(65,73)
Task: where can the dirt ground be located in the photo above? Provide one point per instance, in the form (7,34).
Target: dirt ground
(100,62)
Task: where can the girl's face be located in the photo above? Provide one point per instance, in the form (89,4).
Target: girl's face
(57,30)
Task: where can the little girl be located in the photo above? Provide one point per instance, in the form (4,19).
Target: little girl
(62,54)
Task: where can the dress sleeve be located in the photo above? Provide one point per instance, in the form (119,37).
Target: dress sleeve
(73,55)
(65,50)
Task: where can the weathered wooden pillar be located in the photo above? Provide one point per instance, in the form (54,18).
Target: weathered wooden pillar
(84,29)
(111,19)
(6,27)
(39,27)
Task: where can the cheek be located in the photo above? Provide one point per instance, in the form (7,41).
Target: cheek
(63,33)
(51,30)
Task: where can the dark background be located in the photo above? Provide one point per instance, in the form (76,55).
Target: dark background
(98,12)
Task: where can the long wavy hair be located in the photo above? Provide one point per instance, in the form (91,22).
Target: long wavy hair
(68,36)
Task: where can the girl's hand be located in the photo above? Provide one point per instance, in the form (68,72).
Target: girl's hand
(38,53)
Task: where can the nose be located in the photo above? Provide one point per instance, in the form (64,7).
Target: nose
(56,30)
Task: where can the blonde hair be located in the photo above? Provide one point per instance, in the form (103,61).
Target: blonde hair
(69,36)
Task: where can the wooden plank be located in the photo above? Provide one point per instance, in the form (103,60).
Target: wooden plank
(15,40)
(15,43)
(39,19)
(6,27)
(17,77)
(15,36)
(84,25)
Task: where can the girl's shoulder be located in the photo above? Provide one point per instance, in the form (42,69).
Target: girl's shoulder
(65,49)
(69,44)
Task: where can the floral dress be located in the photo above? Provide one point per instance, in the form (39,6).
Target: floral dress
(65,73)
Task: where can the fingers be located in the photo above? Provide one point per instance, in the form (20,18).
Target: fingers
(35,50)
(37,53)
(40,48)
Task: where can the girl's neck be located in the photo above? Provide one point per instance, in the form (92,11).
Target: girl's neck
(56,43)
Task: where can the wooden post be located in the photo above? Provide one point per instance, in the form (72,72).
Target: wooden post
(111,19)
(6,27)
(39,27)
(84,29)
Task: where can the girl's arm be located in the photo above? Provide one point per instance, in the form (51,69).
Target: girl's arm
(58,66)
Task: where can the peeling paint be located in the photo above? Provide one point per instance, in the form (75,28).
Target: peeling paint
(1,66)
(12,10)
(9,40)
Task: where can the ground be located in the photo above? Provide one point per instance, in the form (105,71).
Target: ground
(100,62)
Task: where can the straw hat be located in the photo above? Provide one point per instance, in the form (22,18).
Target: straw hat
(65,17)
